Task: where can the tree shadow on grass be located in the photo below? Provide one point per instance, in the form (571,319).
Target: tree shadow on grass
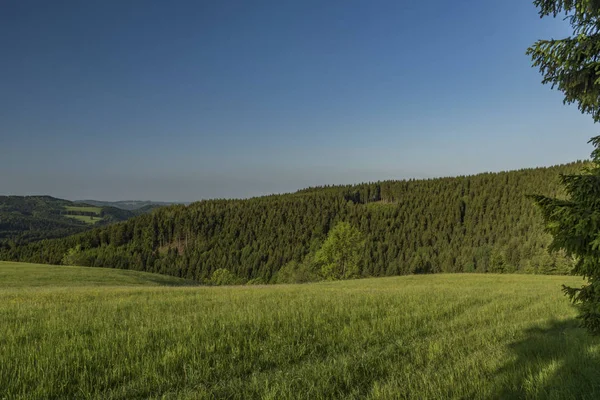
(557,360)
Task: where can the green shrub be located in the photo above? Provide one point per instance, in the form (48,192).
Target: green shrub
(223,276)
(297,272)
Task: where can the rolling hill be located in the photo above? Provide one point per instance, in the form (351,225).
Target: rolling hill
(25,219)
(479,223)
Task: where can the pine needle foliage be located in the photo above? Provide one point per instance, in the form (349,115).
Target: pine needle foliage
(575,227)
(572,65)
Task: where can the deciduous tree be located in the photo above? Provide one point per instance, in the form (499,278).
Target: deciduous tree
(340,254)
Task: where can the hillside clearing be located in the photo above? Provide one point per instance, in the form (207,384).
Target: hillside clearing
(426,337)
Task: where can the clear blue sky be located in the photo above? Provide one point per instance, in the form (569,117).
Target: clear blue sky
(184,100)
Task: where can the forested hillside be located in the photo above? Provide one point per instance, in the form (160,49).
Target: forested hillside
(25,219)
(477,223)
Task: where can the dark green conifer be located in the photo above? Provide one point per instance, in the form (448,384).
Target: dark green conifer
(572,65)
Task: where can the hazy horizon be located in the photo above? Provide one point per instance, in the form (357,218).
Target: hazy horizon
(266,193)
(186,101)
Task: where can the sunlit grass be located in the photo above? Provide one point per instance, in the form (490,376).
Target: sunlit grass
(425,337)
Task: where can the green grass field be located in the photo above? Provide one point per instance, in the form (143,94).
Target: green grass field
(84,218)
(69,332)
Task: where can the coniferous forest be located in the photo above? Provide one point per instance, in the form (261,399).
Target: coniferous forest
(480,223)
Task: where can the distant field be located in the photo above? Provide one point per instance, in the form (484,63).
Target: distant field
(70,332)
(84,218)
(95,210)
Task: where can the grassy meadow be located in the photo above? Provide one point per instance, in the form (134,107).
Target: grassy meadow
(70,332)
(88,219)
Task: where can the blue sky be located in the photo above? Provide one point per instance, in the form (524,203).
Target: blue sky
(185,100)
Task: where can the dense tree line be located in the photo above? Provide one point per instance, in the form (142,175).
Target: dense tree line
(480,223)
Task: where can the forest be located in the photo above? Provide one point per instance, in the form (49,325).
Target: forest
(25,219)
(479,223)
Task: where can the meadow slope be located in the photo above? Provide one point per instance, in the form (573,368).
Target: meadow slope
(102,333)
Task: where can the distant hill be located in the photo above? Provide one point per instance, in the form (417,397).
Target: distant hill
(25,219)
(478,223)
(130,205)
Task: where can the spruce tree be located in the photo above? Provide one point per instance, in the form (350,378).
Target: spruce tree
(572,65)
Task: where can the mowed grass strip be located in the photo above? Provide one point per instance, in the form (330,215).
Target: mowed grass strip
(425,337)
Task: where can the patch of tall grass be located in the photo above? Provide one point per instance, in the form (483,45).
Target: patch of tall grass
(425,337)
